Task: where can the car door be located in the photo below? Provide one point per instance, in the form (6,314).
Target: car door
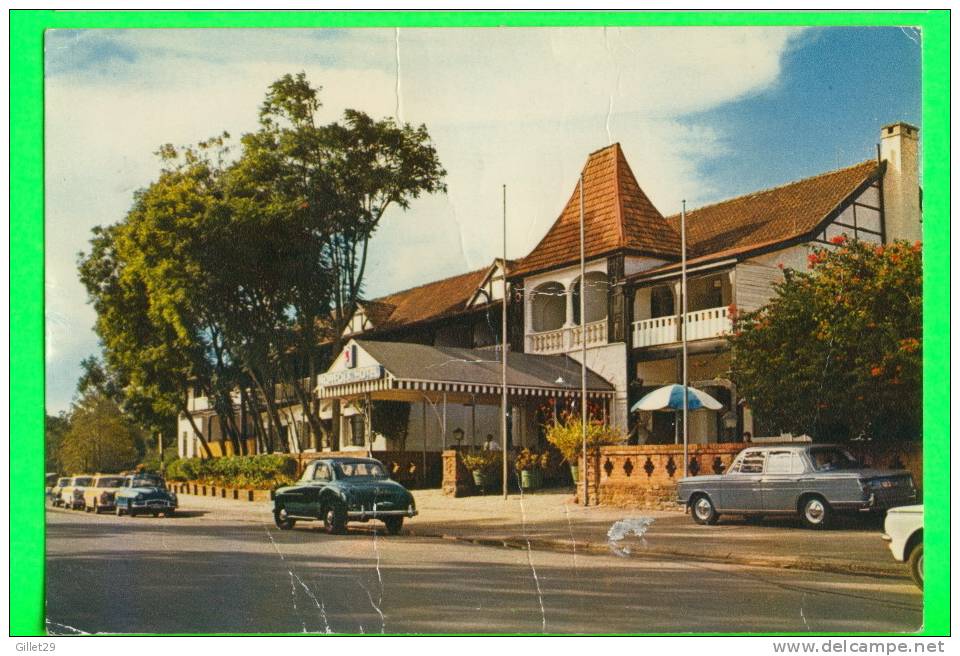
(321,478)
(295,497)
(740,491)
(780,483)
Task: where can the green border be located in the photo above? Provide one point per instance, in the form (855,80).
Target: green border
(26,241)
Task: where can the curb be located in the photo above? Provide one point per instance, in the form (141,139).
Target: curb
(833,566)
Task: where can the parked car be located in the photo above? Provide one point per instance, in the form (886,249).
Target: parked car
(50,480)
(340,490)
(101,493)
(814,481)
(903,529)
(145,493)
(71,495)
(56,491)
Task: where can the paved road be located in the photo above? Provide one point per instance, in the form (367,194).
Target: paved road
(210,573)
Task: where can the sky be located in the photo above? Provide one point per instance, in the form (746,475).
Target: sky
(702,114)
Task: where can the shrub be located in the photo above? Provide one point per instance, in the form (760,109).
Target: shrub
(257,472)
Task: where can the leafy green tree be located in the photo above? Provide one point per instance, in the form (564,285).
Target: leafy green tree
(230,272)
(836,353)
(100,438)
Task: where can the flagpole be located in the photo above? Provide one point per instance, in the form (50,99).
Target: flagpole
(583,350)
(503,348)
(683,322)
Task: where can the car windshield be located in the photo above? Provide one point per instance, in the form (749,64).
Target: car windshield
(361,469)
(832,459)
(63,481)
(110,482)
(82,481)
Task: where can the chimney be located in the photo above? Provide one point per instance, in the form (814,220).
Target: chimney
(901,181)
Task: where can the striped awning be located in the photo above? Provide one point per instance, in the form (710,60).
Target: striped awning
(418,368)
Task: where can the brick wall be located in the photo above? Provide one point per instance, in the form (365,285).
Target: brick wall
(645,476)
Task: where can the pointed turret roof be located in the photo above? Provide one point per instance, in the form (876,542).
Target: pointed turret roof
(618,216)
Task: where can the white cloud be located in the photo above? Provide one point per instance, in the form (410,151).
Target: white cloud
(521,107)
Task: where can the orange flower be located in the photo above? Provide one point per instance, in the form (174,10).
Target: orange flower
(839,240)
(876,371)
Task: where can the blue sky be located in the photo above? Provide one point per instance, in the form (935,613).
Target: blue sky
(702,114)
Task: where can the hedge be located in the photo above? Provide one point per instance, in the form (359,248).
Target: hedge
(256,472)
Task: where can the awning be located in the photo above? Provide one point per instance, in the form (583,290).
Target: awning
(397,368)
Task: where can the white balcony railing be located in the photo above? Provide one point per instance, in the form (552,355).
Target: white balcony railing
(701,324)
(568,338)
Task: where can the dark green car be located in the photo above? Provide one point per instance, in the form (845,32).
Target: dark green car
(340,490)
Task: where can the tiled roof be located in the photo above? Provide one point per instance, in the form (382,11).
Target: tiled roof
(771,215)
(430,301)
(617,215)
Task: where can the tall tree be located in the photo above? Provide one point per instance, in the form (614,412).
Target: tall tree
(327,186)
(836,353)
(100,438)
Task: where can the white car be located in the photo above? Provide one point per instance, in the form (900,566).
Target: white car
(903,529)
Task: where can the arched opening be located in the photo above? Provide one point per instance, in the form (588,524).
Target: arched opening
(548,307)
(595,300)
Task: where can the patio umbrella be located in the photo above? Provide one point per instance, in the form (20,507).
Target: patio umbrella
(670,397)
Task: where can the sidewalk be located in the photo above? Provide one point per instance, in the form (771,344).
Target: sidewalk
(551,520)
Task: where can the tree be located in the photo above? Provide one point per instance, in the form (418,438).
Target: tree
(100,438)
(55,427)
(319,193)
(228,273)
(836,353)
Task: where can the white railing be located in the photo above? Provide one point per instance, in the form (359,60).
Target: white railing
(568,338)
(596,333)
(701,324)
(551,341)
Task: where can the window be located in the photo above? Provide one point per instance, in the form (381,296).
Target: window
(661,302)
(322,473)
(357,430)
(752,463)
(784,462)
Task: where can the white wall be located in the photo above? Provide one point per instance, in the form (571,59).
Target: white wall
(610,362)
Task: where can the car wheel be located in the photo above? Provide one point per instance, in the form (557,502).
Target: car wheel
(393,524)
(816,513)
(169,513)
(335,518)
(916,565)
(702,510)
(283,521)
(155,513)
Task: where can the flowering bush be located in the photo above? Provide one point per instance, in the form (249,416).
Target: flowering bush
(837,352)
(566,434)
(483,461)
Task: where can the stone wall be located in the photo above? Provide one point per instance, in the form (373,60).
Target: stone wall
(646,476)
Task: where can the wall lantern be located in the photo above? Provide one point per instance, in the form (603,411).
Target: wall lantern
(458,435)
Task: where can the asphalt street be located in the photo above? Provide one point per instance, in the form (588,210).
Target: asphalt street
(202,572)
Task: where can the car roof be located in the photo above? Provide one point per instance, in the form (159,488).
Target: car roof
(790,447)
(345,459)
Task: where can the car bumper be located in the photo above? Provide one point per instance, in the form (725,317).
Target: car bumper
(380,514)
(153,504)
(875,502)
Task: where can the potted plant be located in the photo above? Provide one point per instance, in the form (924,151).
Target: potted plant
(481,465)
(528,465)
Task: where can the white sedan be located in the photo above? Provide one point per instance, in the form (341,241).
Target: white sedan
(903,529)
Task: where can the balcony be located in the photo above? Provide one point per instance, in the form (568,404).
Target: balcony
(568,338)
(701,324)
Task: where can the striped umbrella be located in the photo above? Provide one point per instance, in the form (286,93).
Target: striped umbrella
(670,397)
